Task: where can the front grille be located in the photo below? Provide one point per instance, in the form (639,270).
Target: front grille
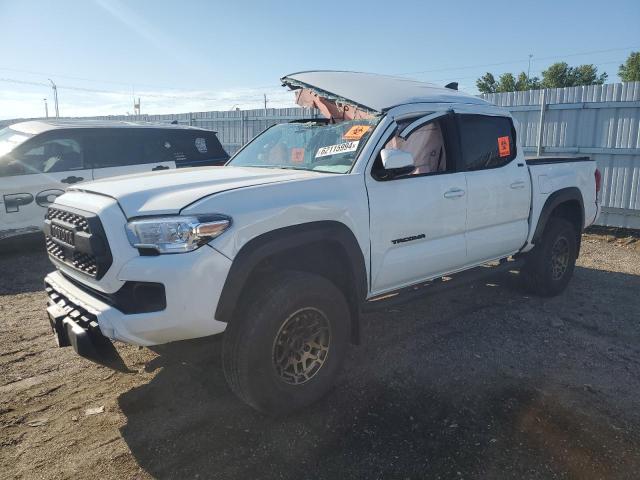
(74,219)
(77,239)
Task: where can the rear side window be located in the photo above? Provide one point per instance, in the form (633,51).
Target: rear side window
(486,141)
(115,148)
(191,147)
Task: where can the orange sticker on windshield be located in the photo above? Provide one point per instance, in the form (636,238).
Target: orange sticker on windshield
(504,146)
(356,132)
(297,155)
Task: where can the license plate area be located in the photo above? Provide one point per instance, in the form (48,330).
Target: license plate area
(63,235)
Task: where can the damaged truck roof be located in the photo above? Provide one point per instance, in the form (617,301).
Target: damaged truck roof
(376,93)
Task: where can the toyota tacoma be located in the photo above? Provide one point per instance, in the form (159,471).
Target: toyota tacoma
(401,187)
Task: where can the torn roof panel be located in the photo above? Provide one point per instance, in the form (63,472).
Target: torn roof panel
(376,93)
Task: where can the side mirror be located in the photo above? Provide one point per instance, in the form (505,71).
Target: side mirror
(397,161)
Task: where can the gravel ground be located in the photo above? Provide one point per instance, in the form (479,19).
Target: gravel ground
(478,382)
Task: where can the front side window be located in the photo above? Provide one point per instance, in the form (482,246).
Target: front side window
(427,146)
(47,156)
(314,145)
(486,141)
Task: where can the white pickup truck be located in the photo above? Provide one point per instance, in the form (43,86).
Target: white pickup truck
(310,224)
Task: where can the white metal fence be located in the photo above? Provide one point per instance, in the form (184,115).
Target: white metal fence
(601,121)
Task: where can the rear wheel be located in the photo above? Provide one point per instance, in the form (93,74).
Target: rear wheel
(549,266)
(286,348)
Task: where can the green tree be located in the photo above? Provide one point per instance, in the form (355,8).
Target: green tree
(524,83)
(506,83)
(587,75)
(560,75)
(630,70)
(487,83)
(557,75)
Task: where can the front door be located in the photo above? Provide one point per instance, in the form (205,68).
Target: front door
(418,218)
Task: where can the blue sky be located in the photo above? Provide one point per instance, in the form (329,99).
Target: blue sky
(186,55)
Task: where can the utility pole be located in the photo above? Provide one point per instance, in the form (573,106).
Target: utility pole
(55,97)
(46,108)
(529,67)
(265,103)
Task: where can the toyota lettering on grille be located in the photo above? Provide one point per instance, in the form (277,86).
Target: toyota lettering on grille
(62,234)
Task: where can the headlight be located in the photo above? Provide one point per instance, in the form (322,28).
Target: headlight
(176,234)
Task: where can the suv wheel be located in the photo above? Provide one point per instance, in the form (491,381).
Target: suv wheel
(286,348)
(549,266)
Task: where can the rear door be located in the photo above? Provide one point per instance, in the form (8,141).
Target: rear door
(499,187)
(123,151)
(36,173)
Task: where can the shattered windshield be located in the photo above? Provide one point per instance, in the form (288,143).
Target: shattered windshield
(314,145)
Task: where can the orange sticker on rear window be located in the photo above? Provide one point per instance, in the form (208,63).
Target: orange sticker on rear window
(504,146)
(297,155)
(356,132)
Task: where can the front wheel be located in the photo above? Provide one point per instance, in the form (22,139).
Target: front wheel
(286,348)
(549,266)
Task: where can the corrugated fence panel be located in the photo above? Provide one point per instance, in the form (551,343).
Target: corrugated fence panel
(602,121)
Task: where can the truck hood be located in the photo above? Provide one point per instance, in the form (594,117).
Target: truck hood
(168,192)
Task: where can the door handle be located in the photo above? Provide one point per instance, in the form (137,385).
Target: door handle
(159,167)
(454,193)
(72,179)
(516,185)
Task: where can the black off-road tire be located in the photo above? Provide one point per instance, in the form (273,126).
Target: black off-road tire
(278,313)
(549,266)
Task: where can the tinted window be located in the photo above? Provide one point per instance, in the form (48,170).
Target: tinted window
(49,154)
(117,147)
(123,147)
(192,147)
(487,142)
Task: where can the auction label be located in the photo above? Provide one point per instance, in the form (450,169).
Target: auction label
(335,149)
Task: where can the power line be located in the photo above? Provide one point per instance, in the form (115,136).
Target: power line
(127,94)
(516,61)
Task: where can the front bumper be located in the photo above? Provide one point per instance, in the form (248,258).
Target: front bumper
(193,283)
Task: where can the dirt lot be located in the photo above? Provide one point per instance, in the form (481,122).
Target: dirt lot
(479,382)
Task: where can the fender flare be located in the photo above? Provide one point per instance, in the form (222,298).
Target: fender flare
(282,239)
(555,199)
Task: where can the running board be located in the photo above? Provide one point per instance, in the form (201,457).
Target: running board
(455,280)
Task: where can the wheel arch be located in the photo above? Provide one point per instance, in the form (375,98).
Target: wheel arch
(566,203)
(327,248)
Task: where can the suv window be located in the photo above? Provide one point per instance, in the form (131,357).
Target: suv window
(486,141)
(128,146)
(189,147)
(48,155)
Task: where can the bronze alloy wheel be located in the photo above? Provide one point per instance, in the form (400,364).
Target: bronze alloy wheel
(301,346)
(559,258)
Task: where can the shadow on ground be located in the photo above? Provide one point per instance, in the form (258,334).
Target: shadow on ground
(479,382)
